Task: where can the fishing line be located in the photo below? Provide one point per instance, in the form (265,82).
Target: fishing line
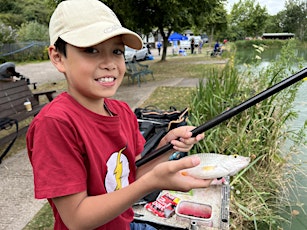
(230,113)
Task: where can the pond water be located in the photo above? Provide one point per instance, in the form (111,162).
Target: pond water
(299,222)
(269,54)
(300,105)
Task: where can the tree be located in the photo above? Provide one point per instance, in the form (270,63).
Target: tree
(36,11)
(15,13)
(248,19)
(294,18)
(216,23)
(164,17)
(10,13)
(273,24)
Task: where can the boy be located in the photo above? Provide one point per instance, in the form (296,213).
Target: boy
(83,145)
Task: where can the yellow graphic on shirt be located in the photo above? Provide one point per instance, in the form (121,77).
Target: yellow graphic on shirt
(118,171)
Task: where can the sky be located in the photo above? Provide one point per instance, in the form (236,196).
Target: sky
(273,6)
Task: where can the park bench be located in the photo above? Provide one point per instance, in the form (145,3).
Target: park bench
(136,70)
(12,98)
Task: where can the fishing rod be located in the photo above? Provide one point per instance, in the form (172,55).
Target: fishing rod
(230,113)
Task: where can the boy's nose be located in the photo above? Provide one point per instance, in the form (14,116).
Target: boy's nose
(107,63)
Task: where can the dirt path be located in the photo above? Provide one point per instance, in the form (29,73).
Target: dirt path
(42,72)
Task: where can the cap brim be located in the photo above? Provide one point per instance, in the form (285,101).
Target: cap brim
(93,35)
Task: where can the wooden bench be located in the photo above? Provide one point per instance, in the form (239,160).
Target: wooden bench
(12,98)
(136,70)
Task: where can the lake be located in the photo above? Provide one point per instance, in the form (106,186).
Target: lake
(300,105)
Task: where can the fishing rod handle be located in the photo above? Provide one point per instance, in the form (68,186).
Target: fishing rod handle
(152,155)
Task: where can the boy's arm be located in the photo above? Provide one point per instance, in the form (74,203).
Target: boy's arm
(79,211)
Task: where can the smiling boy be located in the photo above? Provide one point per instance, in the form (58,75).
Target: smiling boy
(83,145)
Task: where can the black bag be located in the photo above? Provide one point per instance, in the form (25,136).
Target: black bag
(7,123)
(155,123)
(152,113)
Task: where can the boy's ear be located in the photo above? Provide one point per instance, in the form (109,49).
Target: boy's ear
(56,58)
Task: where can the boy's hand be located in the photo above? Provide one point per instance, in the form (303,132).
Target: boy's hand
(181,138)
(182,141)
(167,176)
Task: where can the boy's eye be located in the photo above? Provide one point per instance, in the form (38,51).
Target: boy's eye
(90,50)
(118,52)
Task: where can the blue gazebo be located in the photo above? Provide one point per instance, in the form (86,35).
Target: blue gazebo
(177,37)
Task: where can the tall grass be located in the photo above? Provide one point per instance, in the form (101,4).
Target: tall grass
(260,193)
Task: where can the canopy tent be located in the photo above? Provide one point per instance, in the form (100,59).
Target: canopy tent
(177,37)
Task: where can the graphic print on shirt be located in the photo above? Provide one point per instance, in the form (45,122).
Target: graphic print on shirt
(118,171)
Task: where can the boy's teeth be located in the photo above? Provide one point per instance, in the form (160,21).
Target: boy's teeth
(106,79)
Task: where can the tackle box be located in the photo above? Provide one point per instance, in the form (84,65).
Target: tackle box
(206,208)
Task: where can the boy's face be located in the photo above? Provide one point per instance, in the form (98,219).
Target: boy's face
(96,72)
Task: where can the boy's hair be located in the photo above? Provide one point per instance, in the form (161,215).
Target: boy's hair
(60,46)
(85,23)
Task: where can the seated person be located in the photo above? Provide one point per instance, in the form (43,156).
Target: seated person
(217,47)
(7,72)
(182,52)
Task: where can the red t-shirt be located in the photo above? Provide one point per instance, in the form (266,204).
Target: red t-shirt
(72,149)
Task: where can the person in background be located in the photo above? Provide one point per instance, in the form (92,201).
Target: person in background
(83,145)
(148,48)
(8,73)
(159,46)
(217,47)
(200,46)
(192,45)
(182,52)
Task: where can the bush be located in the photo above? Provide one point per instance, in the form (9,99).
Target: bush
(32,31)
(24,51)
(32,44)
(7,35)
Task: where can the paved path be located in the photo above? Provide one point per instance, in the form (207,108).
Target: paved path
(17,203)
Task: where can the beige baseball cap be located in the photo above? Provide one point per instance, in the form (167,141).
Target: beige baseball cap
(84,23)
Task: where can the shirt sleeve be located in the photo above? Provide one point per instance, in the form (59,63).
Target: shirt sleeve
(57,160)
